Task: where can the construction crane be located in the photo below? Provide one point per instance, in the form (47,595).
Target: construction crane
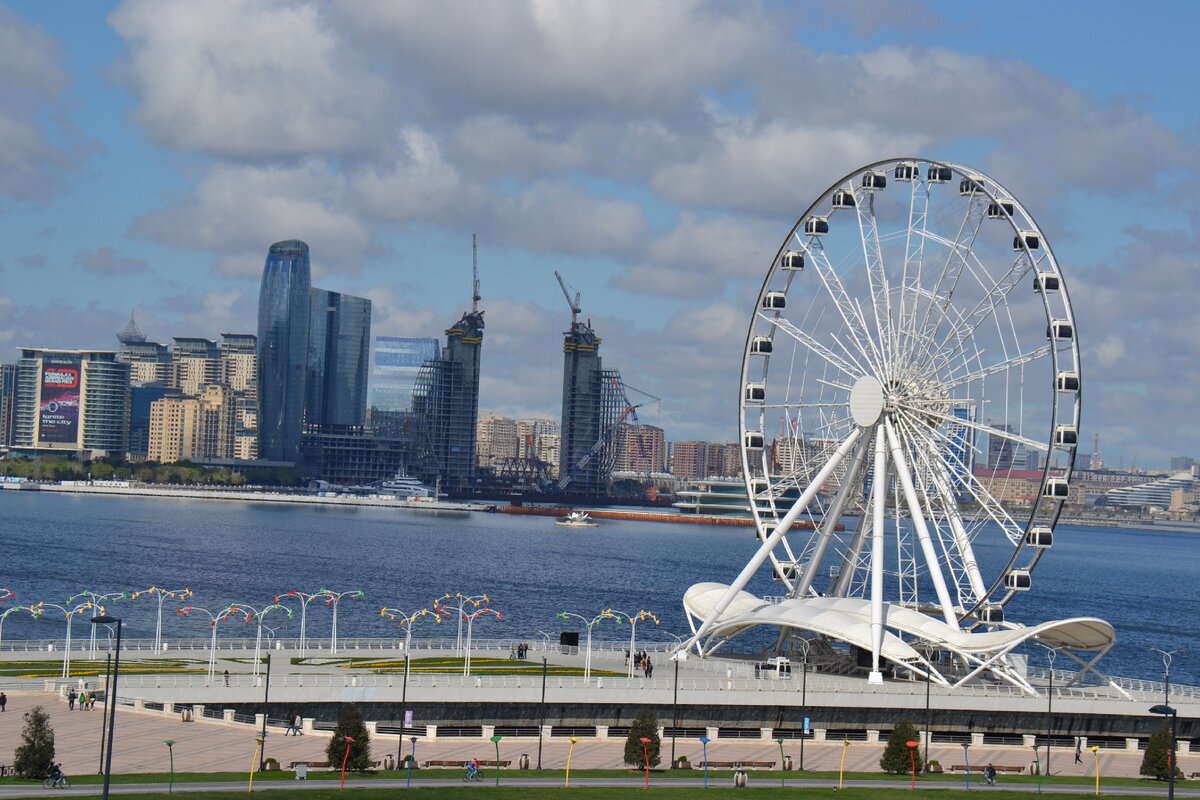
(475,298)
(630,411)
(574,304)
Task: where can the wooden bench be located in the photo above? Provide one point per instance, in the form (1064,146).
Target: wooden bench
(445,763)
(462,763)
(309,764)
(979,770)
(5,770)
(738,764)
(718,764)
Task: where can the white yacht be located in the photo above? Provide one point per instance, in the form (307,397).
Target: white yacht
(403,485)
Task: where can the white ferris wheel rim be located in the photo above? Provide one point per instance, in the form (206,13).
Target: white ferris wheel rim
(886,375)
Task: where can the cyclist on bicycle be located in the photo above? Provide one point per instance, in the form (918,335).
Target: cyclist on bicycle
(56,775)
(472,770)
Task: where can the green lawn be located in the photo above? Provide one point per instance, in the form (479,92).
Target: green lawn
(84,668)
(452,666)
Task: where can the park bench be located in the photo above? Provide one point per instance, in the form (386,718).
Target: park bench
(738,764)
(309,764)
(5,770)
(718,764)
(495,764)
(445,763)
(979,770)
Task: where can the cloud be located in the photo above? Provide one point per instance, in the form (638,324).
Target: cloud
(39,145)
(237,210)
(246,78)
(107,261)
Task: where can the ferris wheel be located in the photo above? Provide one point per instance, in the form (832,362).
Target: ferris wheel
(910,395)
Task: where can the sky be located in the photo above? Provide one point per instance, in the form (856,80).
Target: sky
(656,154)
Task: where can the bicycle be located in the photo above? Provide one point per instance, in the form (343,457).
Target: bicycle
(60,782)
(473,773)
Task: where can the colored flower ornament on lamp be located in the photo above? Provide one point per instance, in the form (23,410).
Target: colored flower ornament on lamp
(162,595)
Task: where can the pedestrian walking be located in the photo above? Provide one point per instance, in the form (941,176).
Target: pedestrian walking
(3,701)
(71,700)
(226,677)
(1078,750)
(296,722)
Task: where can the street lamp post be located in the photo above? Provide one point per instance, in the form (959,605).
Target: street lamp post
(460,601)
(258,616)
(1051,652)
(967,759)
(570,751)
(412,758)
(804,645)
(704,740)
(1096,755)
(1167,656)
(542,724)
(407,621)
(170,743)
(1169,710)
(69,613)
(479,612)
(645,740)
(587,659)
(782,772)
(103,720)
(349,743)
(162,595)
(3,616)
(110,698)
(334,599)
(305,598)
(223,614)
(496,741)
(842,765)
(674,706)
(95,600)
(912,756)
(632,619)
(1037,760)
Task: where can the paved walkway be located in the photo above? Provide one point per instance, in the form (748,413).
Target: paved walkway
(214,746)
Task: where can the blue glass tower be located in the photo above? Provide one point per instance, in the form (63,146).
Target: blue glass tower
(283,322)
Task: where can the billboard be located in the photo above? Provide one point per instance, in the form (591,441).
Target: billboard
(59,409)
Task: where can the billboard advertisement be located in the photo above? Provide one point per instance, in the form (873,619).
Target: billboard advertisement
(59,409)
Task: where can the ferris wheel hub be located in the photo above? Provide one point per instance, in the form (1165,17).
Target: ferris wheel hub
(867,401)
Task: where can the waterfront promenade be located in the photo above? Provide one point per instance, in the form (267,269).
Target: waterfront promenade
(718,696)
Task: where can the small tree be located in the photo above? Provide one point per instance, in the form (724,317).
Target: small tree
(1158,751)
(896,758)
(351,724)
(645,725)
(35,754)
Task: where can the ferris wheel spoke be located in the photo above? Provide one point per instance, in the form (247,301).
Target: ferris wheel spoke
(917,515)
(980,427)
(851,314)
(996,295)
(914,256)
(851,367)
(960,555)
(881,301)
(1001,366)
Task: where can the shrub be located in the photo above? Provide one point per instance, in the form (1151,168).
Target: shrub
(1158,752)
(644,725)
(35,754)
(351,724)
(896,758)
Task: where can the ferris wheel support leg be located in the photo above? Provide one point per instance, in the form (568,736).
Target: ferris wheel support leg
(918,520)
(879,492)
(829,523)
(784,524)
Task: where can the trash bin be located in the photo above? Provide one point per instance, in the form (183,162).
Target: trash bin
(389,762)
(523,761)
(787,763)
(302,772)
(185,715)
(740,779)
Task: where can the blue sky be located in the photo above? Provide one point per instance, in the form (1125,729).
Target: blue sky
(655,155)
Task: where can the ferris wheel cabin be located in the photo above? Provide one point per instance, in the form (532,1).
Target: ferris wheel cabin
(1018,580)
(907,172)
(1059,330)
(874,180)
(761,346)
(776,301)
(938,174)
(1000,209)
(1056,489)
(1066,436)
(1040,537)
(1067,382)
(793,261)
(754,440)
(842,199)
(816,226)
(969,186)
(756,393)
(1027,240)
(1045,282)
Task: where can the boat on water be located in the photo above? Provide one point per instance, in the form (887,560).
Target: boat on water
(577,519)
(404,485)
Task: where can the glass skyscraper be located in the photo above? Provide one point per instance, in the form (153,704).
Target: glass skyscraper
(283,345)
(397,362)
(338,359)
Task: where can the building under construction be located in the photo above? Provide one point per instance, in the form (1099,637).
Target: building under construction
(445,403)
(593,402)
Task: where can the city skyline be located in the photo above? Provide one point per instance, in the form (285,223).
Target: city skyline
(659,180)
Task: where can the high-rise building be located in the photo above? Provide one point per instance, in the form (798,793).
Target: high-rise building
(1001,450)
(688,460)
(71,400)
(196,363)
(183,428)
(592,399)
(398,361)
(339,352)
(141,400)
(8,403)
(641,448)
(239,361)
(446,407)
(284,312)
(497,440)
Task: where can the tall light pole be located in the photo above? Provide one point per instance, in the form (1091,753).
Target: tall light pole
(842,764)
(496,741)
(1051,652)
(170,743)
(253,614)
(587,659)
(479,612)
(69,613)
(704,740)
(182,595)
(407,620)
(570,752)
(782,771)
(305,598)
(542,724)
(633,619)
(223,614)
(1096,755)
(334,599)
(1168,710)
(4,615)
(110,697)
(461,602)
(94,600)
(1166,657)
(804,645)
(967,759)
